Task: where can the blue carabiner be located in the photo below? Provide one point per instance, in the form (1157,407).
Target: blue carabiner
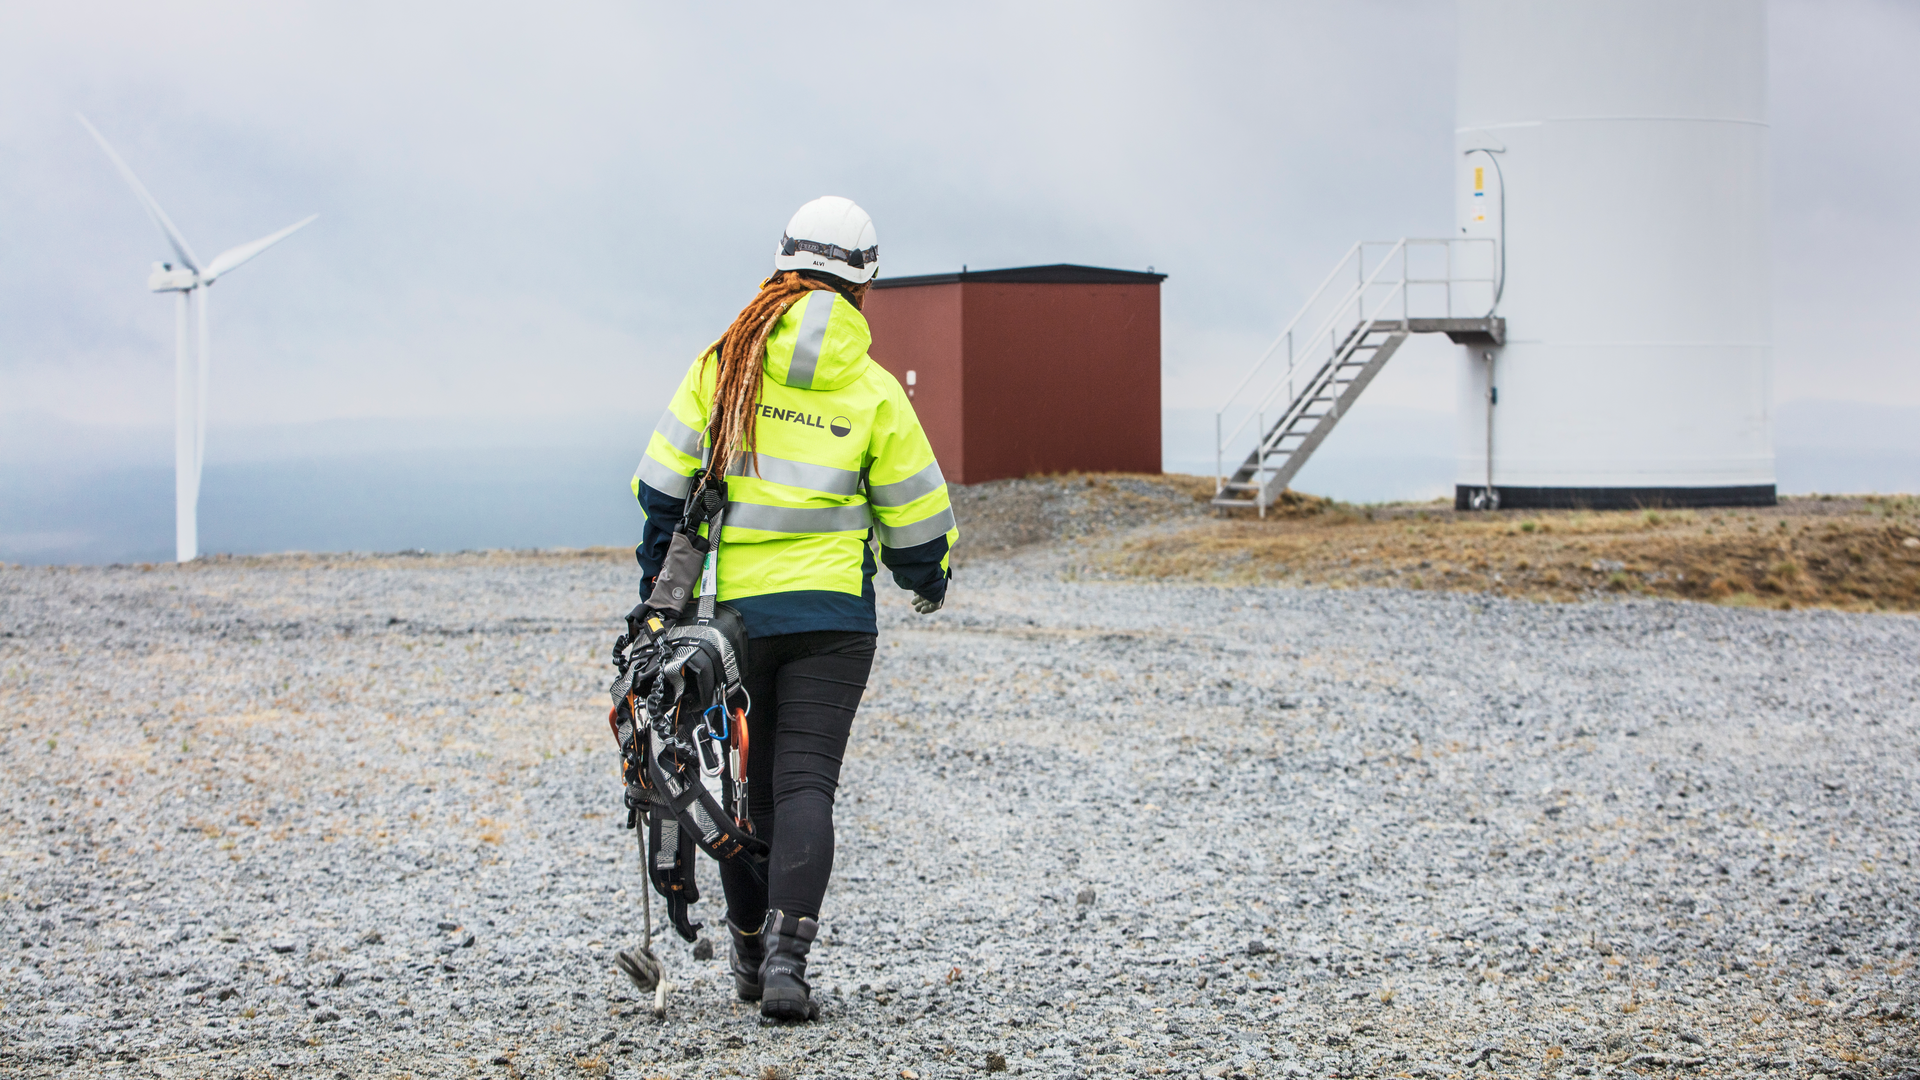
(721,735)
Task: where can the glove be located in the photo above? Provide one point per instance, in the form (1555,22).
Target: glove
(925,606)
(644,624)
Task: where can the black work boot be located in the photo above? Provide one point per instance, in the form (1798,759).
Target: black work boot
(784,993)
(749,952)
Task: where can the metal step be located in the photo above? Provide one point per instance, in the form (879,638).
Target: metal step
(1274,462)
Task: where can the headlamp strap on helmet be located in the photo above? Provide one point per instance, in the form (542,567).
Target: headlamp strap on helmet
(856,259)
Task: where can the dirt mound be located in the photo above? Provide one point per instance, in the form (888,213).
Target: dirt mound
(1002,516)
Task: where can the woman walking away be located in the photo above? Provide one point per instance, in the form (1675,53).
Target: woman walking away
(822,453)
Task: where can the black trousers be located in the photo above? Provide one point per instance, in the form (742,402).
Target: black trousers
(805,689)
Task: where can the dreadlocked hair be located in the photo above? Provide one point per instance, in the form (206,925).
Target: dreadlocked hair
(741,351)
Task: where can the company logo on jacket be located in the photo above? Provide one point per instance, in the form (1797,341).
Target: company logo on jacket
(841,425)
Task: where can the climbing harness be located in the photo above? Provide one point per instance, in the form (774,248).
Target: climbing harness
(680,717)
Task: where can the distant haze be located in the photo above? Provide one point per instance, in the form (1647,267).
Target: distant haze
(533,217)
(393,485)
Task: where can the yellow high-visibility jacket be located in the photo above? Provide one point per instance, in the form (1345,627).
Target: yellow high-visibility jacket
(842,459)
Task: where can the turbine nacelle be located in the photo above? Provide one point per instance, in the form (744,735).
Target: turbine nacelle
(167,277)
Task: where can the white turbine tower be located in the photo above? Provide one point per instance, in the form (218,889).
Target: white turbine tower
(190,280)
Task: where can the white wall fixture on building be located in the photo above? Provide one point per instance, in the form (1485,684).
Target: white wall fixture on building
(1615,151)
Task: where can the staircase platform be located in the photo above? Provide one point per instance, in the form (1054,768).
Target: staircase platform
(1462,331)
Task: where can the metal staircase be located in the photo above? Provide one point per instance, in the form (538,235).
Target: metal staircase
(1357,329)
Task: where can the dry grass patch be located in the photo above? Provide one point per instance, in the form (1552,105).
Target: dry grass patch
(1859,554)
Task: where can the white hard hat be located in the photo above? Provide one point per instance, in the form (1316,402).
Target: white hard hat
(831,235)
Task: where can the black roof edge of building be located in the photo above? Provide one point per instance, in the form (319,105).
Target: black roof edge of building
(1056,274)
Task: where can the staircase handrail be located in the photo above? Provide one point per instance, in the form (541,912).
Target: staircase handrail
(1357,296)
(1221,438)
(1297,316)
(1293,364)
(1356,293)
(1341,354)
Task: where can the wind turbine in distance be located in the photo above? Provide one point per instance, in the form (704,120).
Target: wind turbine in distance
(190,279)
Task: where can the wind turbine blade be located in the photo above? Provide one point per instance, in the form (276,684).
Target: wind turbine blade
(159,216)
(234,256)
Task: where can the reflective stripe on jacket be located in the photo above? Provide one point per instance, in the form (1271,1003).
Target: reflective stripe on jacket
(840,453)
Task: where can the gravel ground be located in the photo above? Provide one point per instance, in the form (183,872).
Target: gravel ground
(354,817)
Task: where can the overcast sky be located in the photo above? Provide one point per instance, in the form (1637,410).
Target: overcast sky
(545,210)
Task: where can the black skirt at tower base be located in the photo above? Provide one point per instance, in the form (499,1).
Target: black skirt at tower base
(1618,498)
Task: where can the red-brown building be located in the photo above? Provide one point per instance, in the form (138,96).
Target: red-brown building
(1038,369)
